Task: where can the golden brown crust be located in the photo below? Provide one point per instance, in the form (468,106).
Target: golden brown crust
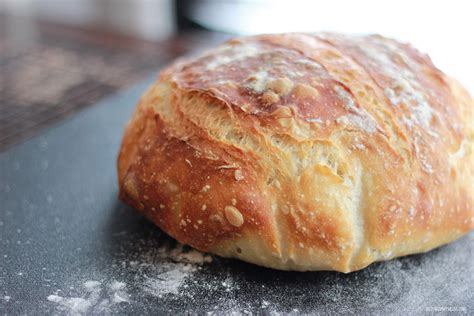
(304,152)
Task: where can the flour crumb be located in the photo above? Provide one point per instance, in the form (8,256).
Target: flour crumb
(116,286)
(169,282)
(91,285)
(71,305)
(95,298)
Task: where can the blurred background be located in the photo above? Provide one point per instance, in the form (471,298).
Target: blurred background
(59,56)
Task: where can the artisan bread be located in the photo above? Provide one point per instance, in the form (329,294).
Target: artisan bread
(304,152)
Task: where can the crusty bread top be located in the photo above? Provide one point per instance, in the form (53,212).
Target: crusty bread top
(320,151)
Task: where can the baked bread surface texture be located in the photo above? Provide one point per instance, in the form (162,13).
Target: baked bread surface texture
(304,152)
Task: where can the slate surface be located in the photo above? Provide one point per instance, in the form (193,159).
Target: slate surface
(61,225)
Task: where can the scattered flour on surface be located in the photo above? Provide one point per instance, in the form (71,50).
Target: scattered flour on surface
(159,271)
(176,279)
(170,281)
(170,276)
(72,305)
(95,298)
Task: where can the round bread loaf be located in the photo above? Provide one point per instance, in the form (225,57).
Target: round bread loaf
(304,152)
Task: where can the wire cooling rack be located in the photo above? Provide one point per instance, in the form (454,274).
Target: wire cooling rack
(53,71)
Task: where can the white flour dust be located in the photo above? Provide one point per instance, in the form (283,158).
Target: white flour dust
(176,279)
(170,281)
(96,297)
(157,271)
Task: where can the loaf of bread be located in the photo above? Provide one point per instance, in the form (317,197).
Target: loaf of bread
(304,152)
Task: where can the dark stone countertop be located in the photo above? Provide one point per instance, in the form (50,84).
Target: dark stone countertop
(68,245)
